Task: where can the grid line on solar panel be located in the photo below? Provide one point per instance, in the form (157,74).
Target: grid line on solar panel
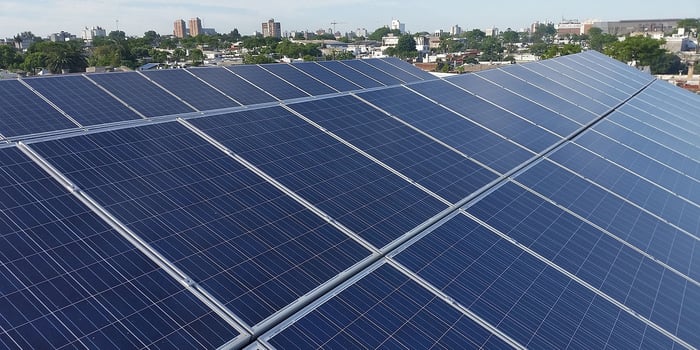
(472,140)
(681,129)
(141,94)
(676,108)
(594,257)
(401,64)
(69,279)
(491,116)
(187,87)
(533,300)
(403,75)
(329,77)
(384,308)
(576,63)
(232,85)
(91,106)
(250,246)
(350,73)
(298,78)
(268,82)
(603,60)
(23,112)
(618,82)
(373,72)
(591,79)
(436,167)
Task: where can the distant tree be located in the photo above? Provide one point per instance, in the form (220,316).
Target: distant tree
(168,43)
(196,57)
(34,61)
(406,47)
(668,63)
(491,49)
(339,55)
(9,57)
(151,38)
(178,54)
(59,56)
(544,33)
(381,32)
(474,38)
(158,55)
(690,24)
(116,35)
(257,59)
(643,50)
(597,40)
(539,49)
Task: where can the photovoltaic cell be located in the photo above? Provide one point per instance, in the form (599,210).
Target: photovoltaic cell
(330,78)
(586,86)
(662,120)
(386,309)
(350,74)
(591,80)
(623,82)
(68,280)
(533,303)
(232,85)
(403,75)
(594,56)
(409,68)
(141,94)
(252,247)
(425,161)
(190,89)
(374,72)
(23,112)
(365,197)
(268,82)
(524,108)
(596,258)
(458,132)
(488,115)
(299,79)
(82,100)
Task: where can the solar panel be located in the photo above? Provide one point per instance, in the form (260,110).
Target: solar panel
(393,70)
(253,248)
(423,75)
(488,115)
(69,280)
(329,78)
(268,82)
(139,93)
(299,79)
(351,74)
(371,71)
(385,309)
(24,113)
(232,85)
(586,87)
(473,140)
(82,100)
(190,89)
(441,170)
(624,82)
(358,193)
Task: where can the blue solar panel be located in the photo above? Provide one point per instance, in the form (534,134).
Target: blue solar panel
(69,280)
(456,131)
(268,82)
(23,112)
(376,204)
(249,245)
(676,105)
(299,79)
(532,302)
(82,100)
(396,72)
(585,86)
(374,72)
(384,310)
(545,98)
(190,89)
(663,121)
(328,77)
(488,115)
(441,170)
(526,109)
(624,82)
(141,94)
(350,74)
(598,259)
(423,75)
(600,59)
(232,85)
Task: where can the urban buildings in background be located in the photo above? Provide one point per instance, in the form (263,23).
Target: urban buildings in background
(195,26)
(180,29)
(272,29)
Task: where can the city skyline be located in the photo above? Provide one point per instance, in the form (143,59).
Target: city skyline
(45,17)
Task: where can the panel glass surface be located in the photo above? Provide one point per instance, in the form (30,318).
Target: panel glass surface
(350,74)
(82,100)
(438,168)
(299,79)
(190,89)
(268,82)
(585,87)
(623,82)
(358,193)
(475,141)
(653,291)
(532,302)
(141,94)
(23,112)
(526,109)
(405,76)
(330,78)
(488,115)
(249,245)
(605,61)
(409,68)
(586,78)
(545,98)
(374,72)
(386,310)
(69,280)
(232,85)
(661,119)
(676,104)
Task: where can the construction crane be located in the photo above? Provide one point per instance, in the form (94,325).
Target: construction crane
(334,23)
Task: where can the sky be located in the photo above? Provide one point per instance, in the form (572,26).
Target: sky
(134,17)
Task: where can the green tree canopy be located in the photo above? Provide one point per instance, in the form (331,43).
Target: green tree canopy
(689,24)
(381,32)
(597,40)
(474,38)
(58,56)
(643,50)
(406,47)
(9,57)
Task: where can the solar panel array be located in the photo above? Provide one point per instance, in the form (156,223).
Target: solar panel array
(350,204)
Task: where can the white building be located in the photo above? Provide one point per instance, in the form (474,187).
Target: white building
(89,34)
(455,30)
(396,24)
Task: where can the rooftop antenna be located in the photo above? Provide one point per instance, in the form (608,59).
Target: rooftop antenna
(117,25)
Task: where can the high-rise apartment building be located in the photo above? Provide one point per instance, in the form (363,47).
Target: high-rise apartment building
(180,31)
(272,29)
(397,25)
(195,26)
